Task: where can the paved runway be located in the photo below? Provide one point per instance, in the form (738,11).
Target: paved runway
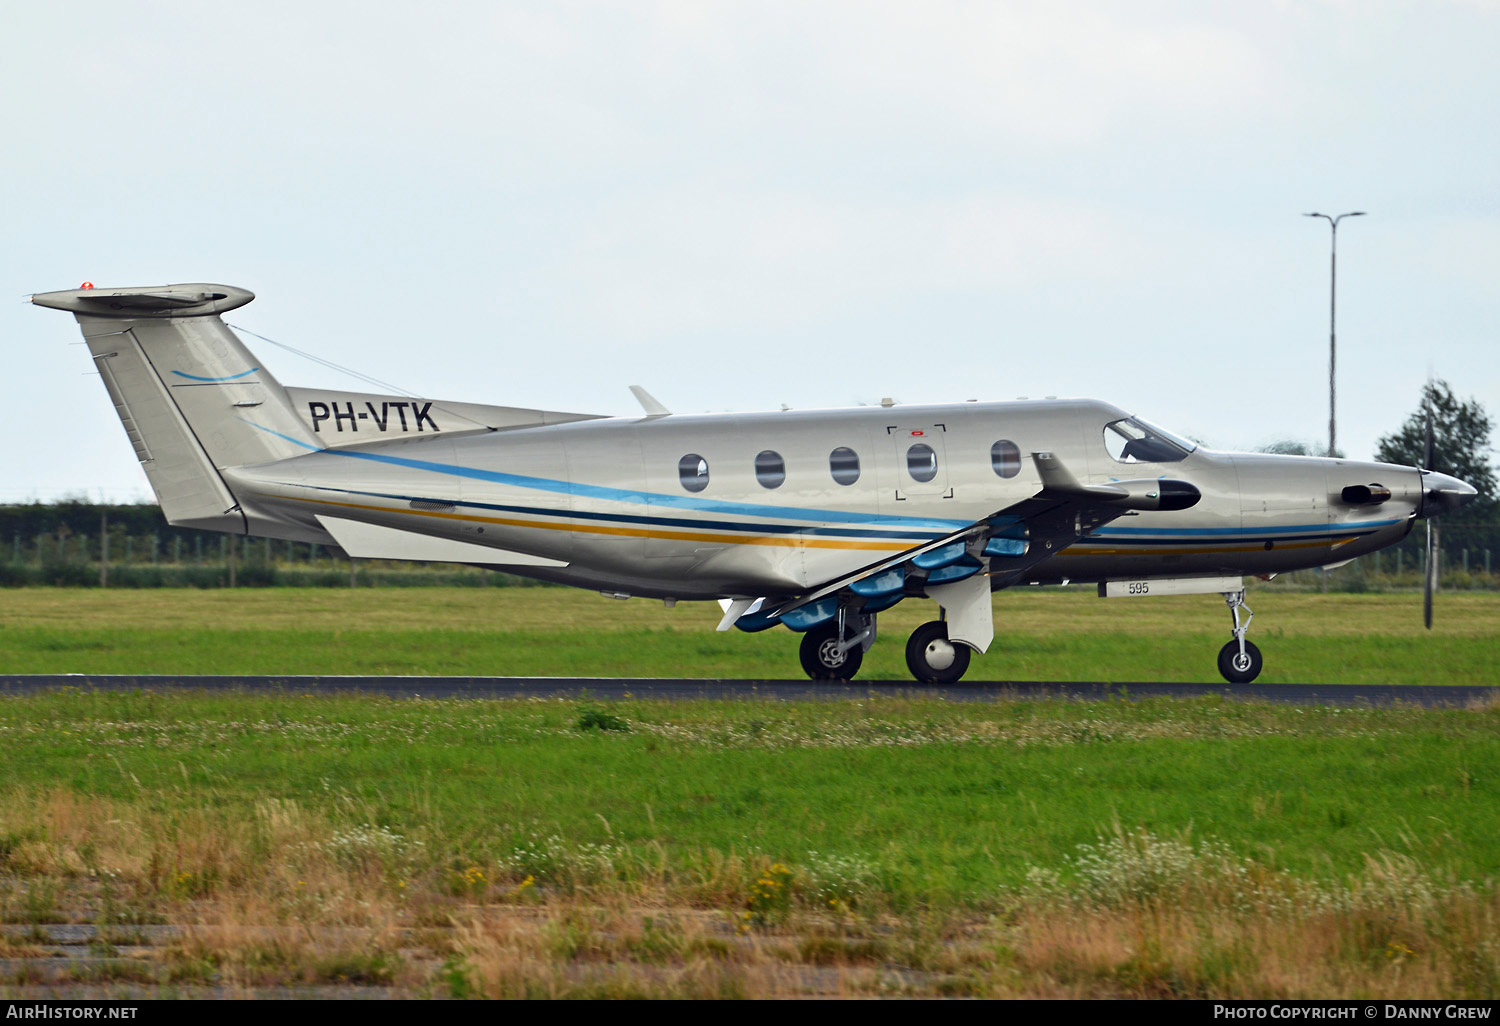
(787,690)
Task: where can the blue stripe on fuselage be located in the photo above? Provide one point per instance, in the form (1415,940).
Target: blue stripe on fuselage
(625,518)
(642,498)
(1202,532)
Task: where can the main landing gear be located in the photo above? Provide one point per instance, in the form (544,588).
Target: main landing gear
(835,650)
(824,657)
(1239,660)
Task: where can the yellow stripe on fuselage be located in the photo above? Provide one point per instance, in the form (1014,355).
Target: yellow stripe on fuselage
(786,541)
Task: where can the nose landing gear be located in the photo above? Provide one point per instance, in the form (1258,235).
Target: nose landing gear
(1239,660)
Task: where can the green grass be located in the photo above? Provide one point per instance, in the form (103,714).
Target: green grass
(1041,635)
(953,801)
(1188,847)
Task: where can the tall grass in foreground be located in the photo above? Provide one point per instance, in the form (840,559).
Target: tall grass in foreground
(904,846)
(284,899)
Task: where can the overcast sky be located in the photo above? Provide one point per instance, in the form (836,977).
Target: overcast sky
(739,205)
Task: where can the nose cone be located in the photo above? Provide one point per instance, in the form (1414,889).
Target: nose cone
(1443,494)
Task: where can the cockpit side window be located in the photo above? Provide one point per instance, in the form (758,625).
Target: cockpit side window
(1134,441)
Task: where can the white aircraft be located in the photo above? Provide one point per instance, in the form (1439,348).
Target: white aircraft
(814,520)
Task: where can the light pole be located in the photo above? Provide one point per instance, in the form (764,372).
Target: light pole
(1333,278)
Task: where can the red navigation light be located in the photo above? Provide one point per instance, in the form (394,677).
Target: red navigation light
(87,285)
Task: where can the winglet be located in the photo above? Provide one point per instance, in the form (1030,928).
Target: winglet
(649,402)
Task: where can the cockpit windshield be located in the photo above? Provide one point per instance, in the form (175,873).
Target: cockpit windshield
(1134,441)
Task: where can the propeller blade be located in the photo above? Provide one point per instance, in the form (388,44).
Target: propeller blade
(1430,577)
(1427,453)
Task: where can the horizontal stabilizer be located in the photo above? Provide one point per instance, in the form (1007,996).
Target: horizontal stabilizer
(149,301)
(371,541)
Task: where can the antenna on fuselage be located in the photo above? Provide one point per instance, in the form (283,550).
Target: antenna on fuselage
(649,402)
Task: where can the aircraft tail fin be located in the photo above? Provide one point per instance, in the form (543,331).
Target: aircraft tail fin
(192,397)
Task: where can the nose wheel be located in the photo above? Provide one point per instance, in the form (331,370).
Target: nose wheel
(932,658)
(1239,667)
(1239,660)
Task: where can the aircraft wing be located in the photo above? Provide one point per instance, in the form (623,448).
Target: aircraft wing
(1012,540)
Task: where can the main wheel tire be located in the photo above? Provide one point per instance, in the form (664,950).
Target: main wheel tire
(1239,669)
(932,658)
(821,659)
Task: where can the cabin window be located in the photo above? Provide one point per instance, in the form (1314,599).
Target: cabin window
(843,464)
(692,471)
(921,462)
(1135,441)
(1005,458)
(770,469)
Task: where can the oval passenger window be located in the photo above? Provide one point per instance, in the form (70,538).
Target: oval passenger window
(921,462)
(770,470)
(692,471)
(1005,457)
(843,464)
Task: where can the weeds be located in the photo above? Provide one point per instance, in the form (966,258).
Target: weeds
(591,718)
(367,845)
(770,897)
(552,861)
(838,883)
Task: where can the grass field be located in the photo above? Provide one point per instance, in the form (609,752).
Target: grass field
(1199,848)
(906,845)
(1062,634)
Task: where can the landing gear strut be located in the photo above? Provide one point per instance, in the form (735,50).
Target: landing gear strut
(932,658)
(1239,660)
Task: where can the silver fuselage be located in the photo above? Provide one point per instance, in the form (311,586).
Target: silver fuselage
(608,497)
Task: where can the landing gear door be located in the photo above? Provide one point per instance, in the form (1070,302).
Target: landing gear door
(920,460)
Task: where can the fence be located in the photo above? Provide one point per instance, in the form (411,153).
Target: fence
(1468,559)
(113,556)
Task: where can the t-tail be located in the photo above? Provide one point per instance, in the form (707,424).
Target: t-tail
(194,400)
